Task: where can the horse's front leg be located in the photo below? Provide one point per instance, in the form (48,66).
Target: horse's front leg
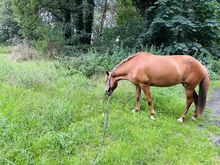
(146,89)
(138,94)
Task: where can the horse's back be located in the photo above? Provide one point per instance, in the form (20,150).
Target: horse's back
(168,70)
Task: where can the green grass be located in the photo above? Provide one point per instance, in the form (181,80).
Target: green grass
(215,84)
(50,115)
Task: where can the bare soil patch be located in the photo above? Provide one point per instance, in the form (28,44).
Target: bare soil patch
(214,105)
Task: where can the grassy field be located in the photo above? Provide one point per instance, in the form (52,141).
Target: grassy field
(51,115)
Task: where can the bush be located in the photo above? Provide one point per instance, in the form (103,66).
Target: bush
(89,64)
(23,52)
(216,68)
(51,42)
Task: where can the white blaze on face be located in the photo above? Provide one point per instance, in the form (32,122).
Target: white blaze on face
(107,85)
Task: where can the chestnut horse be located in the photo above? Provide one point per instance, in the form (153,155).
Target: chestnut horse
(145,70)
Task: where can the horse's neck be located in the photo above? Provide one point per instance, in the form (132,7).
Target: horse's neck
(120,73)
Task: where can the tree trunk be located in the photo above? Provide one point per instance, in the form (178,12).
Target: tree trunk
(79,21)
(89,17)
(103,17)
(67,25)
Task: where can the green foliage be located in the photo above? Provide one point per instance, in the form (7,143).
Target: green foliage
(88,64)
(182,27)
(8,26)
(178,26)
(75,16)
(92,63)
(27,16)
(129,25)
(48,116)
(216,67)
(51,41)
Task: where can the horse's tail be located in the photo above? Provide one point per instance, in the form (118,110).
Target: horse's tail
(203,89)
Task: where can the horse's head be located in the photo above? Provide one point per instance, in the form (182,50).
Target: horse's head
(111,83)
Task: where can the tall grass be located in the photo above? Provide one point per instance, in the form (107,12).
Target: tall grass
(50,115)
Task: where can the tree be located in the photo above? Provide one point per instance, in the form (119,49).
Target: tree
(180,26)
(8,26)
(127,27)
(128,22)
(76,17)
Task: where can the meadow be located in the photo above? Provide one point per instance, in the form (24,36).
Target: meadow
(53,115)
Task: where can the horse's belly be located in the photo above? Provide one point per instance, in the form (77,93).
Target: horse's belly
(166,84)
(165,81)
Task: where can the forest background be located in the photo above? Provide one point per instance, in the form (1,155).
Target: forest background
(97,34)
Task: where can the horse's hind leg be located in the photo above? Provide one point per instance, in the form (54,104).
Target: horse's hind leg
(146,89)
(195,99)
(189,100)
(138,93)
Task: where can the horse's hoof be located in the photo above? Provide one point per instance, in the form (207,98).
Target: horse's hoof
(134,110)
(180,120)
(152,117)
(193,118)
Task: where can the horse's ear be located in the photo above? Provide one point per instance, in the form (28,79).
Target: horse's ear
(107,73)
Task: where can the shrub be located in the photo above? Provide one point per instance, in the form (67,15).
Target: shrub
(216,67)
(51,42)
(89,64)
(23,52)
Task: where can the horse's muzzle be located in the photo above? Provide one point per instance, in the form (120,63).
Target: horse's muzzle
(108,93)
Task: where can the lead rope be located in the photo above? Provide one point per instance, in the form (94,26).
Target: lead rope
(104,133)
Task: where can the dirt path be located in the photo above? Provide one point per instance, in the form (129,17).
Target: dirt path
(214,105)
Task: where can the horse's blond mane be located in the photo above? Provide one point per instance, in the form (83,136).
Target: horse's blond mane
(125,60)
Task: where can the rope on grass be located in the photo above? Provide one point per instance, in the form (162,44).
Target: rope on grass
(104,132)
